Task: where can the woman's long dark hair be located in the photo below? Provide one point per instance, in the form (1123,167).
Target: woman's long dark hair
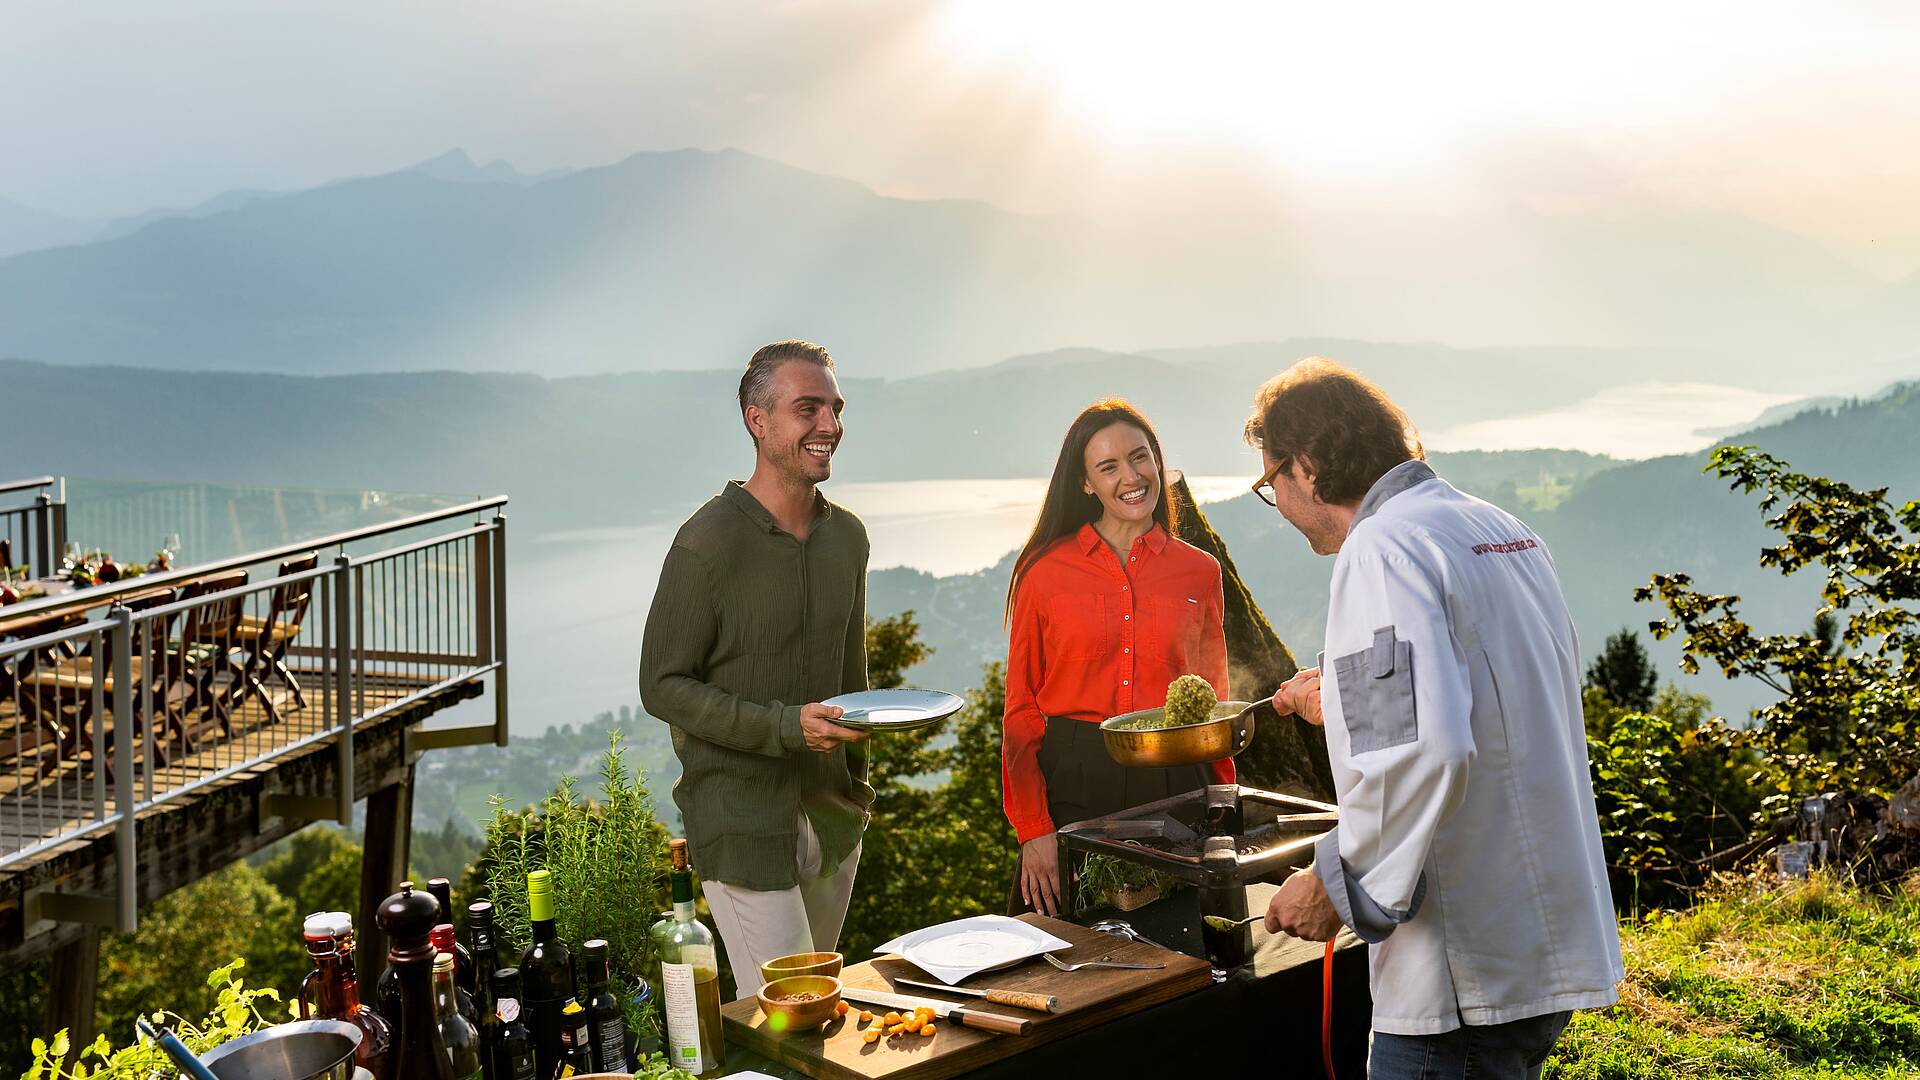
(1067,507)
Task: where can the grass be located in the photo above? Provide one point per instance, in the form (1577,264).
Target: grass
(1810,980)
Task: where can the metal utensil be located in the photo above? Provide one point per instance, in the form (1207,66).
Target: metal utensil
(985,1021)
(176,1050)
(1221,922)
(1227,732)
(1121,928)
(1064,966)
(301,1050)
(1019,999)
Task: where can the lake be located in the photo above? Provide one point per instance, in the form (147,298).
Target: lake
(578,599)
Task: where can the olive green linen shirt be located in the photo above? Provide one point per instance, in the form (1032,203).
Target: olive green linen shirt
(749,624)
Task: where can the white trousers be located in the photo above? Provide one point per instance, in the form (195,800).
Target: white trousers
(756,926)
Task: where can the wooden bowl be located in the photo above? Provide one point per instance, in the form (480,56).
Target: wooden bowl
(806,963)
(785,1016)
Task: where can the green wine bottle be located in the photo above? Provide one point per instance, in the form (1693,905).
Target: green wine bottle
(546,970)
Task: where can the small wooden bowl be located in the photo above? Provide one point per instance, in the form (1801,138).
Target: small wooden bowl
(785,1016)
(806,963)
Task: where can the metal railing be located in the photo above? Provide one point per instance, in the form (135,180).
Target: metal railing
(33,522)
(195,676)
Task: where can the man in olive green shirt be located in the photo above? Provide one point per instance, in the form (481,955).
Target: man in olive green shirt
(761,615)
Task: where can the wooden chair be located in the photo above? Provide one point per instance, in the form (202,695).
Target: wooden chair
(67,682)
(266,640)
(207,644)
(37,730)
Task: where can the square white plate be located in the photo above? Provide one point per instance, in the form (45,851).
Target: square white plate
(952,951)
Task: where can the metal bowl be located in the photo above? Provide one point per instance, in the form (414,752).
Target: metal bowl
(301,1050)
(1227,733)
(785,1016)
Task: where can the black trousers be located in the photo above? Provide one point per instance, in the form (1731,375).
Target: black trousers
(1084,782)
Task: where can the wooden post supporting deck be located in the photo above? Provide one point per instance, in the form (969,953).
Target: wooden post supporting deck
(73,980)
(383,866)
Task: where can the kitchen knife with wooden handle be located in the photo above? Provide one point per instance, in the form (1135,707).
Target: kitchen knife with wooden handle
(959,1014)
(1019,999)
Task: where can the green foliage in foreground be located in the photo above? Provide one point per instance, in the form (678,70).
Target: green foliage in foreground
(607,860)
(237,1010)
(1813,980)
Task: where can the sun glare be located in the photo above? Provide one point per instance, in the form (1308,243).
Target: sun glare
(1357,83)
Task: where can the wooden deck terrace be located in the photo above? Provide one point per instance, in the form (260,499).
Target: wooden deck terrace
(155,730)
(198,832)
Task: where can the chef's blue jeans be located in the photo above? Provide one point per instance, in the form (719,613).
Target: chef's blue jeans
(1510,1051)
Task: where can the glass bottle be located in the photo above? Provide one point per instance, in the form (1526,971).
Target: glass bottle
(486,957)
(336,995)
(546,972)
(689,977)
(461,1038)
(606,1025)
(442,890)
(504,1033)
(443,941)
(418,1051)
(576,1042)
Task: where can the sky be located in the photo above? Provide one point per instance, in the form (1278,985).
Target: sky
(1208,116)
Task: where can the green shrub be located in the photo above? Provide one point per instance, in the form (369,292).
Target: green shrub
(237,1011)
(608,864)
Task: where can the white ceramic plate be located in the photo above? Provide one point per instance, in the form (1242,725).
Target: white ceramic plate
(901,709)
(955,950)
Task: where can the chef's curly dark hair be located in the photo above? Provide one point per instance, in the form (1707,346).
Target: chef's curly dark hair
(1348,427)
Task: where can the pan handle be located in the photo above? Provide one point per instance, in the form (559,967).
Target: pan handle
(1243,725)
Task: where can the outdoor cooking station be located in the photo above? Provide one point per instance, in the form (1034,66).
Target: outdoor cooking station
(1227,1002)
(1220,839)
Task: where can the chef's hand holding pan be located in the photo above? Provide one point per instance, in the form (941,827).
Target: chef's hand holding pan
(818,728)
(1300,696)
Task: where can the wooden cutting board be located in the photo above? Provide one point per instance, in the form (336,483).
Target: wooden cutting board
(1088,997)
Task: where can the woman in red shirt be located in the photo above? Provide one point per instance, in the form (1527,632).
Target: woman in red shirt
(1106,608)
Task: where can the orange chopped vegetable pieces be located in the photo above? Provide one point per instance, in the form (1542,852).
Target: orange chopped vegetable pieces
(926,1030)
(841,1008)
(871,1036)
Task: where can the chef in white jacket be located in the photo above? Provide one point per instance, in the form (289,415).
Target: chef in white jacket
(1468,852)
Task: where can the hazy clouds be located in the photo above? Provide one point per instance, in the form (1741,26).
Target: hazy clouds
(1225,116)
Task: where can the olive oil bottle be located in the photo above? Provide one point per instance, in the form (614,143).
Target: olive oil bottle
(689,976)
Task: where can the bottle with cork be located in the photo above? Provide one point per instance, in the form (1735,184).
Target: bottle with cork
(689,976)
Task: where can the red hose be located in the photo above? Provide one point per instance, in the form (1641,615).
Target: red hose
(1326,1011)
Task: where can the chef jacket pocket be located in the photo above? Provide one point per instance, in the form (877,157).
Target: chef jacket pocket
(1376,694)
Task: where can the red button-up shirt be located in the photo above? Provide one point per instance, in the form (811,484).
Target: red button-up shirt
(1092,639)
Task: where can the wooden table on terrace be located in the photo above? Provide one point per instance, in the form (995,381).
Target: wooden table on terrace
(1264,1020)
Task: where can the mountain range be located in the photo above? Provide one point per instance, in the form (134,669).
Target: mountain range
(689,259)
(615,449)
(1620,523)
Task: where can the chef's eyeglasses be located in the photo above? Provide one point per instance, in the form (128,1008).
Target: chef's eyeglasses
(1263,487)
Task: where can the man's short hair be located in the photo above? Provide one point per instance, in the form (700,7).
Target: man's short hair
(1346,425)
(756,383)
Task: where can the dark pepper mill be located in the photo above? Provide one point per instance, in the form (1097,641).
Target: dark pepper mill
(408,916)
